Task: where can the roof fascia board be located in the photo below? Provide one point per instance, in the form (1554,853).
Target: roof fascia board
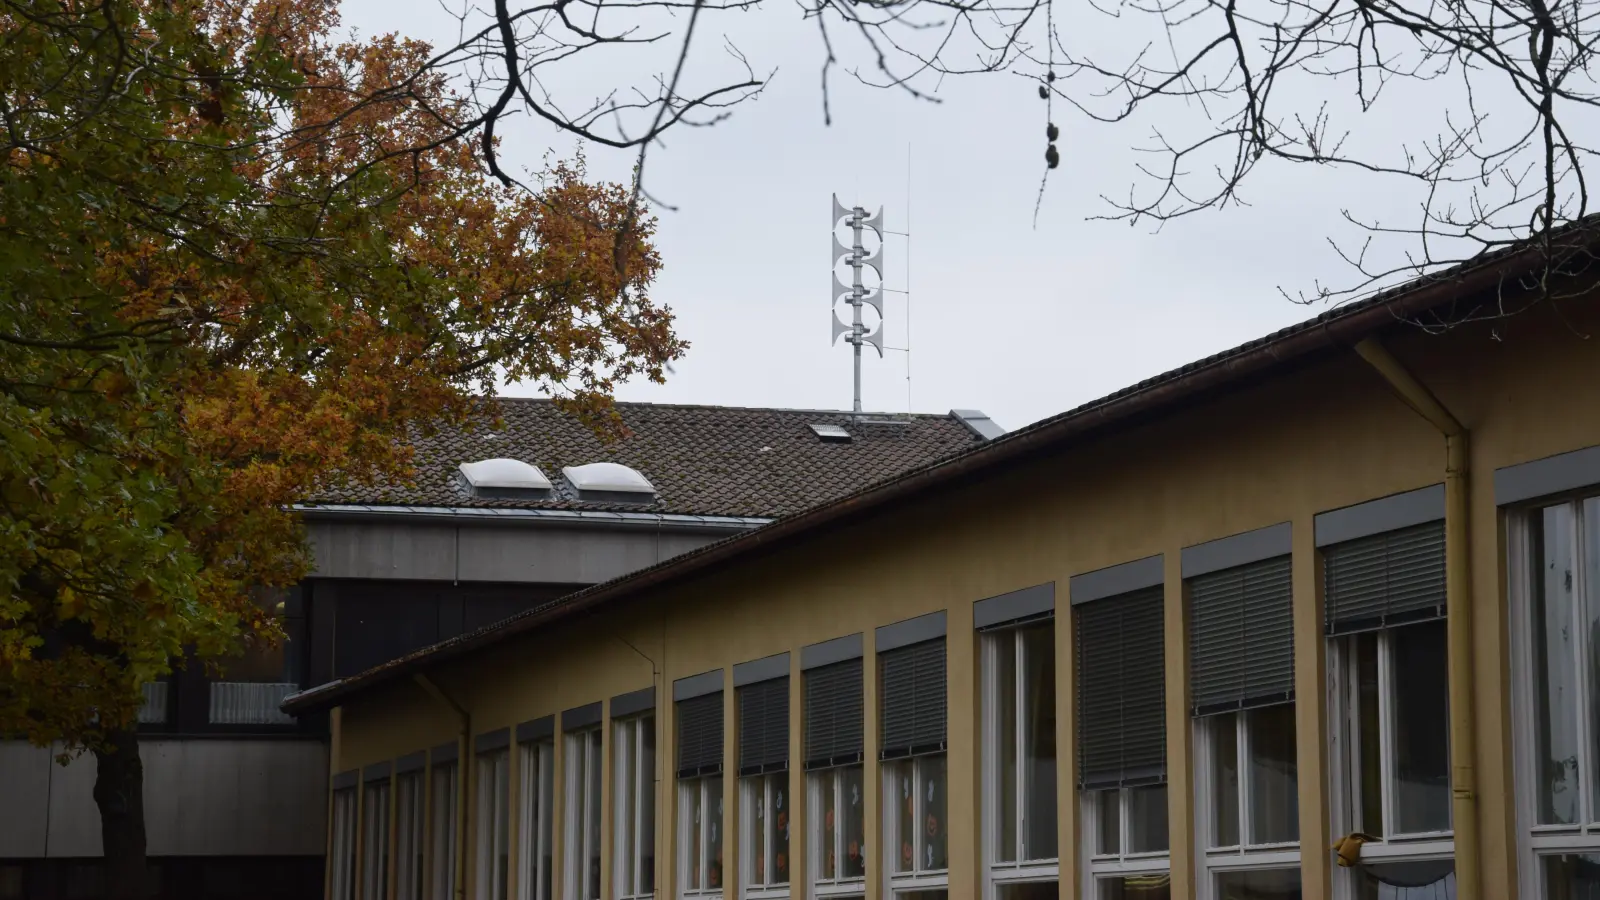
(530,517)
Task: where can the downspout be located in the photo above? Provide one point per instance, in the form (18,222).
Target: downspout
(1458,605)
(462,755)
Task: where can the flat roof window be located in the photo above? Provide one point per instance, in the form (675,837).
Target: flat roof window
(609,481)
(505,478)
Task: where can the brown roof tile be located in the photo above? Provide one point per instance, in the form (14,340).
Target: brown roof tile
(702,460)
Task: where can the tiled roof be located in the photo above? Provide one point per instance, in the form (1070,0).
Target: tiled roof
(702,460)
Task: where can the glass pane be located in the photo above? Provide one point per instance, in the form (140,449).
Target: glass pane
(1571,876)
(1369,816)
(1591,625)
(780,827)
(901,777)
(935,841)
(760,837)
(830,823)
(647,805)
(1274,787)
(502,835)
(714,832)
(592,841)
(546,811)
(1225,779)
(854,814)
(1039,839)
(1005,697)
(1435,880)
(627,778)
(1032,890)
(1108,818)
(1421,728)
(1147,819)
(1555,667)
(696,826)
(1137,887)
(1272,884)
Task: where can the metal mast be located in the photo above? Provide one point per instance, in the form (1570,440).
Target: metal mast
(855,294)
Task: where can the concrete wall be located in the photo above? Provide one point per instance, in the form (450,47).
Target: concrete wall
(211,797)
(504,553)
(1324,437)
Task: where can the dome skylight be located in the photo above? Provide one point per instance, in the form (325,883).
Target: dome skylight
(504,475)
(609,478)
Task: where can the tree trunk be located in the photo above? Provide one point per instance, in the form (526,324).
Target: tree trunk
(119,793)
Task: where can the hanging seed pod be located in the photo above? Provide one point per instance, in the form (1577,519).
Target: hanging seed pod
(1051,132)
(1044,93)
(1050,75)
(1051,157)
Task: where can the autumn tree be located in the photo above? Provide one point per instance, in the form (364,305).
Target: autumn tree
(240,259)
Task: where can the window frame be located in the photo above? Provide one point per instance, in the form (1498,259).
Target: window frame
(342,852)
(536,818)
(687,789)
(411,834)
(1098,866)
(583,757)
(751,843)
(919,879)
(822,887)
(1213,859)
(1024,869)
(444,830)
(376,798)
(1534,840)
(493,821)
(1344,773)
(631,782)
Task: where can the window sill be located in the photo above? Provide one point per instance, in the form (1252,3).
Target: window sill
(1131,865)
(1415,849)
(939,880)
(1010,873)
(856,888)
(1230,859)
(776,892)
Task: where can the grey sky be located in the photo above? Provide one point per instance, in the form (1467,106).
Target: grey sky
(1017,320)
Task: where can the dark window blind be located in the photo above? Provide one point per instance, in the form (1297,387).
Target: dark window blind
(833,714)
(1388,579)
(1121,663)
(764,726)
(912,697)
(700,735)
(1241,637)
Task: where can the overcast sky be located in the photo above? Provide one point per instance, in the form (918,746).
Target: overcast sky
(1018,320)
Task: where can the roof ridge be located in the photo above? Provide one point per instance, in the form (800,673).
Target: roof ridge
(729,408)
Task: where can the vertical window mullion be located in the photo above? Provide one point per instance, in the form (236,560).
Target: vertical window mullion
(1019,701)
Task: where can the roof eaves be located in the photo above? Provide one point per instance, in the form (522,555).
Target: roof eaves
(1342,326)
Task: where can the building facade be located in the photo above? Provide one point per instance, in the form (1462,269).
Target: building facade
(498,520)
(1331,586)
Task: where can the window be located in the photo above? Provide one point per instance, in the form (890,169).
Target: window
(254,684)
(494,825)
(835,787)
(582,815)
(1122,745)
(634,761)
(764,787)
(700,795)
(535,807)
(1556,610)
(410,834)
(1385,606)
(442,847)
(1241,675)
(912,693)
(375,841)
(342,880)
(1019,756)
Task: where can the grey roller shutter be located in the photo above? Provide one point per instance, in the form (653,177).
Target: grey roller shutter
(833,714)
(1241,637)
(764,726)
(1121,663)
(700,735)
(1388,579)
(912,696)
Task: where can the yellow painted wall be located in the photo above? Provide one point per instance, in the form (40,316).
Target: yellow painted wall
(1317,439)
